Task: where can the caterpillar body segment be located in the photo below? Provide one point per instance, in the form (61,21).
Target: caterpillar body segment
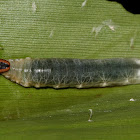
(79,73)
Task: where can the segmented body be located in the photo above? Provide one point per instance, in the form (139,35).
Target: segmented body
(79,73)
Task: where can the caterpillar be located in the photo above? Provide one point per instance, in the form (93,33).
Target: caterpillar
(79,73)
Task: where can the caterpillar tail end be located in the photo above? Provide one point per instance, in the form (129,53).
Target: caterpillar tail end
(4,66)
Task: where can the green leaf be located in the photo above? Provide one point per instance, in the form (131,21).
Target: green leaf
(91,29)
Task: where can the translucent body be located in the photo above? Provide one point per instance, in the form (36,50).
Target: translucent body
(80,73)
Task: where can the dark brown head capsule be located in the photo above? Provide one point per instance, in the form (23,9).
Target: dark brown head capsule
(4,65)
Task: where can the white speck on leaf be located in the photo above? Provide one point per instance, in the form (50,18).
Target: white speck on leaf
(105,23)
(93,29)
(34,7)
(131,42)
(97,29)
(51,33)
(90,116)
(110,24)
(111,27)
(68,110)
(107,111)
(132,39)
(84,3)
(132,100)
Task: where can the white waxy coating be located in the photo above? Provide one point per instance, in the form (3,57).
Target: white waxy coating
(126,81)
(79,86)
(137,61)
(104,84)
(138,73)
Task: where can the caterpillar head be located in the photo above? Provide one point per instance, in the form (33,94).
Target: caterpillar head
(4,65)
